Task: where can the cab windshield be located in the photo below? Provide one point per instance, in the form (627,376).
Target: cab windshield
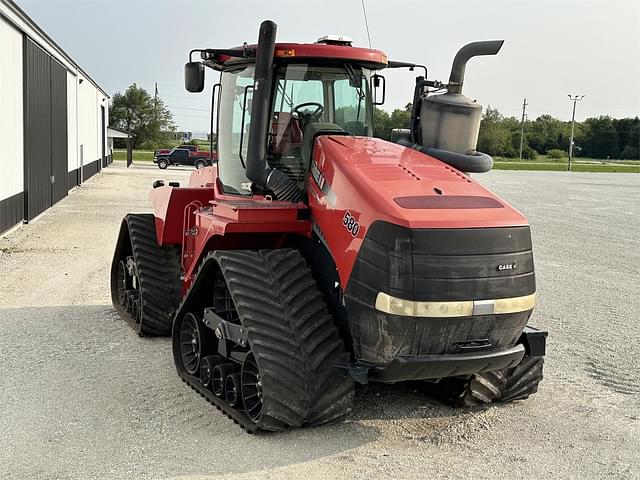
(304,94)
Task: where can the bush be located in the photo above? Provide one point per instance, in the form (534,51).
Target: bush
(630,153)
(510,152)
(556,154)
(529,153)
(154,144)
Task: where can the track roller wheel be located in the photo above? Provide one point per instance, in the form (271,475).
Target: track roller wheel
(207,364)
(145,277)
(122,283)
(251,388)
(232,390)
(219,374)
(193,343)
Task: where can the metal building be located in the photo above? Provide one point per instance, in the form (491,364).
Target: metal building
(53,120)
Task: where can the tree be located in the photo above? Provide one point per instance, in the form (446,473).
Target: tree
(138,113)
(628,130)
(383,123)
(494,139)
(600,139)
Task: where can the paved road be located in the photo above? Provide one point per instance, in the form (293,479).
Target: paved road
(81,396)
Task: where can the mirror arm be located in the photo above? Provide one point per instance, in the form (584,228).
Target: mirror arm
(410,66)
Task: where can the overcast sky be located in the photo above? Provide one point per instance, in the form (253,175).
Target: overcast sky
(552,47)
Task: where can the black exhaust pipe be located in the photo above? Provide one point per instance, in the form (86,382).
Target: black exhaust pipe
(258,171)
(474,49)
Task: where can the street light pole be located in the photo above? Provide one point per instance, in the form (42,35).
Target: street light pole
(574,99)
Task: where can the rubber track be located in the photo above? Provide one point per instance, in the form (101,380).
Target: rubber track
(158,273)
(506,385)
(292,337)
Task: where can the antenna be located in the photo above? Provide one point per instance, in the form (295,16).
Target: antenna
(366,23)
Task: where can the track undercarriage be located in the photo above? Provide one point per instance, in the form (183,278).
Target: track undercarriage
(253,336)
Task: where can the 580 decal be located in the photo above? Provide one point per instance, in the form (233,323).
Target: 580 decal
(350,223)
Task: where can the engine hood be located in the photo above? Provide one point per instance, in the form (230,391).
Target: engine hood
(385,181)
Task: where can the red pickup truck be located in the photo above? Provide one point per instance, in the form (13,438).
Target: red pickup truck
(194,150)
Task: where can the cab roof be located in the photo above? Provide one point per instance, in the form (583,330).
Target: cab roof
(366,57)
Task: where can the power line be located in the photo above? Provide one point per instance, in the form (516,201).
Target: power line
(188,108)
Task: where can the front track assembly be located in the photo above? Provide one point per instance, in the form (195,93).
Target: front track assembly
(253,336)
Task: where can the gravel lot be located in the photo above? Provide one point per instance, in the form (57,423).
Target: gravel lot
(81,396)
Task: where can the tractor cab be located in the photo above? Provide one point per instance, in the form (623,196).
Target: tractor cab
(328,87)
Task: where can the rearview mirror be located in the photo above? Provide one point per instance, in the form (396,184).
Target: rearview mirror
(378,87)
(194,77)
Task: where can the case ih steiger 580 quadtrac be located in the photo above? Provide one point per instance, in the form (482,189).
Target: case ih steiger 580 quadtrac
(313,256)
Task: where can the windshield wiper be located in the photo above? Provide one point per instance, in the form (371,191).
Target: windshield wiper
(355,82)
(285,97)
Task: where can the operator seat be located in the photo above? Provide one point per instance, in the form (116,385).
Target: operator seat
(286,133)
(311,131)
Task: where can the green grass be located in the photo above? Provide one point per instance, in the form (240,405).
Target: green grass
(562,167)
(143,155)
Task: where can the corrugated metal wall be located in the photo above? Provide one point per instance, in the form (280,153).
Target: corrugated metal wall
(11,127)
(60,184)
(73,164)
(37,129)
(45,141)
(50,112)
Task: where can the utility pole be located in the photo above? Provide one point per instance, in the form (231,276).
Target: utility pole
(524,107)
(574,99)
(155,104)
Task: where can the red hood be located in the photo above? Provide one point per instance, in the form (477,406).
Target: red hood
(407,187)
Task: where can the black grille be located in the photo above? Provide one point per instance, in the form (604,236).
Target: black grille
(446,264)
(437,265)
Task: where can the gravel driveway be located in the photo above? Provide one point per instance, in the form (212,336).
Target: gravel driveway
(81,396)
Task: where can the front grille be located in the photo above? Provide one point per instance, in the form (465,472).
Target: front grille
(433,265)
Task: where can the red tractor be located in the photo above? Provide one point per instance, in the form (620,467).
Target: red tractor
(313,256)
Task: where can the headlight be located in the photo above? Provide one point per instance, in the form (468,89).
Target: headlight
(409,308)
(397,306)
(515,304)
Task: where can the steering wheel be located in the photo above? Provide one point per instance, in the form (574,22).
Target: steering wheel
(315,113)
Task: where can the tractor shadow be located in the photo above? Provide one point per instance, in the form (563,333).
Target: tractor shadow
(411,412)
(405,400)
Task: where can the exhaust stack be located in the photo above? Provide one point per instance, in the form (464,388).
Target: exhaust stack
(474,49)
(258,171)
(450,123)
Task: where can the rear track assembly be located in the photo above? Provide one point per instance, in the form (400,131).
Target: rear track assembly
(145,277)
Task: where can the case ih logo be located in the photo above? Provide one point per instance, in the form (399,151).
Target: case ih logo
(506,266)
